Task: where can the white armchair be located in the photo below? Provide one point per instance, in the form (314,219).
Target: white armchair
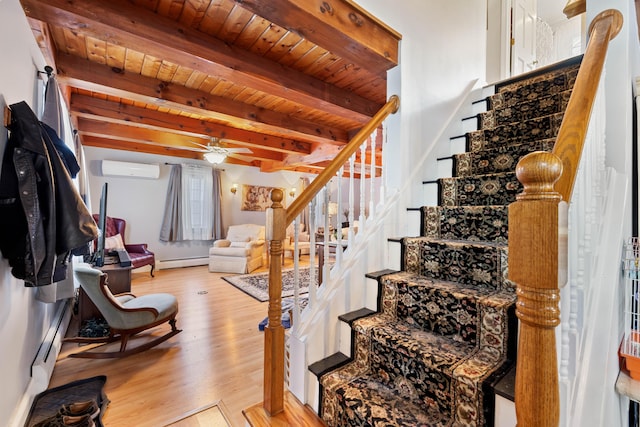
(303,241)
(240,252)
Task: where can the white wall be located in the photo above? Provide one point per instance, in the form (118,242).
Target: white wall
(23,320)
(141,201)
(443,49)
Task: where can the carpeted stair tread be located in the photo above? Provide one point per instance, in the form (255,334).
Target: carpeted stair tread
(497,159)
(544,127)
(489,189)
(471,223)
(538,86)
(543,106)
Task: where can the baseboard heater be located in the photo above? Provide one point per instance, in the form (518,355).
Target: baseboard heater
(182,262)
(44,362)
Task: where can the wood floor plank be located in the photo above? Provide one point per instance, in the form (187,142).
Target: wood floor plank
(217,357)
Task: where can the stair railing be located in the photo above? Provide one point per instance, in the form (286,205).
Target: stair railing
(278,218)
(537,237)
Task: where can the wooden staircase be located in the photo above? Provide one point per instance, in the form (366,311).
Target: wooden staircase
(533,269)
(445,326)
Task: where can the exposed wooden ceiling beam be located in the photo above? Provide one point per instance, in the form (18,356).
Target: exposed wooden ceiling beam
(100,109)
(94,77)
(140,147)
(140,135)
(343,28)
(92,141)
(182,45)
(42,35)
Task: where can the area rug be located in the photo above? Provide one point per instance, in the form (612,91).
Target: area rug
(257,285)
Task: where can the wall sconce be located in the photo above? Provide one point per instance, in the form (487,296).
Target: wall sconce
(234,188)
(292,192)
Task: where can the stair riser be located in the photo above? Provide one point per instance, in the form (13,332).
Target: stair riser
(532,130)
(527,90)
(431,386)
(476,265)
(524,111)
(438,311)
(480,223)
(483,190)
(350,411)
(498,160)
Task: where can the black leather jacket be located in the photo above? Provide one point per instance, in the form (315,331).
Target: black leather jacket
(42,217)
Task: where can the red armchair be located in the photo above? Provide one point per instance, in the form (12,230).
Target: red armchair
(138,252)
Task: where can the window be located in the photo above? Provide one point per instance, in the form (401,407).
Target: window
(197,204)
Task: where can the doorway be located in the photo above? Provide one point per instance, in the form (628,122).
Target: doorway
(523,35)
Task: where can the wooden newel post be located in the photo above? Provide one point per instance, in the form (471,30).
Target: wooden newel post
(534,248)
(274,332)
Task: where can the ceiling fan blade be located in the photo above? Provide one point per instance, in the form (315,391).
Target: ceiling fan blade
(204,147)
(239,150)
(241,157)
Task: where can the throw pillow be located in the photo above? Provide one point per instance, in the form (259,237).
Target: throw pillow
(113,243)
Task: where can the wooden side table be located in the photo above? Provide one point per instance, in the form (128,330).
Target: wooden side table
(118,280)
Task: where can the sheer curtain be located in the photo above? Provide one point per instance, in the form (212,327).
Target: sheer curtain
(193,205)
(197,204)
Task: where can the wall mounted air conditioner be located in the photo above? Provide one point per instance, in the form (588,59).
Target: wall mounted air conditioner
(138,170)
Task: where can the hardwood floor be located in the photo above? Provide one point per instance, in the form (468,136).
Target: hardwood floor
(217,357)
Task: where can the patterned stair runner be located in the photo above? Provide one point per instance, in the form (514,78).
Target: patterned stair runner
(446,324)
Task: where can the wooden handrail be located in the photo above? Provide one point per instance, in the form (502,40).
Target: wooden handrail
(329,172)
(570,140)
(278,218)
(535,242)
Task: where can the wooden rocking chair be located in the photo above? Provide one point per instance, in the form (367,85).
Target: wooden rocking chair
(125,314)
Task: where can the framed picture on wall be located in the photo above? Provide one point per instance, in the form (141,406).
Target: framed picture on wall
(257,197)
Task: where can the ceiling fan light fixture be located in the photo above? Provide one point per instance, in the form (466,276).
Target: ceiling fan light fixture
(214,157)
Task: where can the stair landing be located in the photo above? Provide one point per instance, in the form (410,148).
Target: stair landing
(294,414)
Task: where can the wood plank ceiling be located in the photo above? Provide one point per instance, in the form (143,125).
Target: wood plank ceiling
(292,80)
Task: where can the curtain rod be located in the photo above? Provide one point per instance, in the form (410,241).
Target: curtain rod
(177,164)
(48,70)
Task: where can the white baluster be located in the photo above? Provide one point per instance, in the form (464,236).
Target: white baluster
(352,202)
(325,248)
(312,252)
(372,171)
(338,222)
(295,314)
(362,187)
(383,167)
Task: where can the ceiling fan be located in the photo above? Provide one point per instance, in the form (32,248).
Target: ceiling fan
(215,152)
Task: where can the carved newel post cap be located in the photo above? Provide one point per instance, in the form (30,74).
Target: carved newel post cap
(538,172)
(616,21)
(277,195)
